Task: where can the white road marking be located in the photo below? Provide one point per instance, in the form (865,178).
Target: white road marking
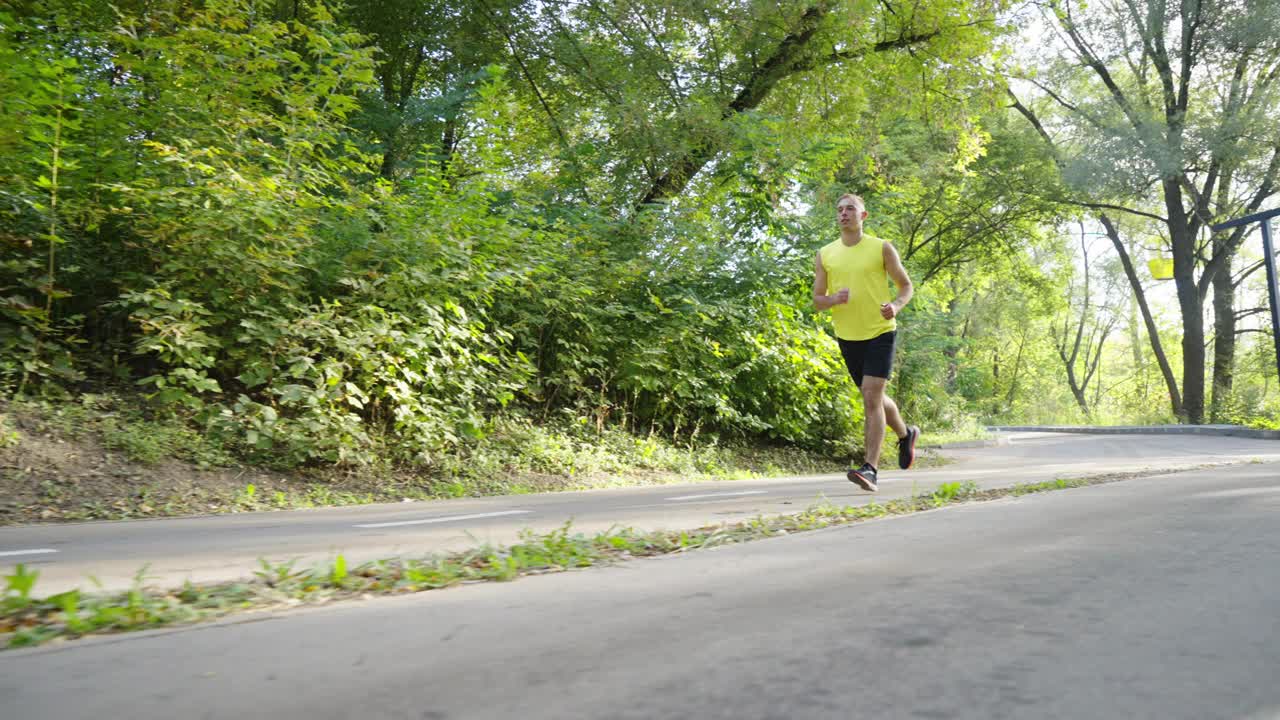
(36,551)
(719,495)
(450,518)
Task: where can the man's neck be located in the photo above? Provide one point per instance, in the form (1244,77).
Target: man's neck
(850,236)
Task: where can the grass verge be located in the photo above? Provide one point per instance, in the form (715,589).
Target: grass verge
(27,620)
(106,457)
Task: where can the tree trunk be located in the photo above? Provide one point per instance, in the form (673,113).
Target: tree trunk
(1193,354)
(1135,336)
(1076,389)
(1189,302)
(448,143)
(1017,367)
(1224,344)
(387,170)
(952,351)
(1224,309)
(1140,296)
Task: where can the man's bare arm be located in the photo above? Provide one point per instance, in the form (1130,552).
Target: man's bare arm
(897,273)
(821,300)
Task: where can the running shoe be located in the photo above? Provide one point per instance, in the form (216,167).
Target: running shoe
(864,477)
(907,447)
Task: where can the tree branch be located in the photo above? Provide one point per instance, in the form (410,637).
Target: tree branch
(524,70)
(1096,123)
(1107,206)
(1086,55)
(1239,314)
(1266,190)
(787,59)
(1244,275)
(899,43)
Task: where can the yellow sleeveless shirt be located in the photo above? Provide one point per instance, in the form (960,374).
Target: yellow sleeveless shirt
(861,269)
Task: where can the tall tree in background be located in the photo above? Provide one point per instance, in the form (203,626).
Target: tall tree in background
(1160,110)
(431,57)
(647,97)
(1083,333)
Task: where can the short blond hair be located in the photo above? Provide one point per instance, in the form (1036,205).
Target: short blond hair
(856,198)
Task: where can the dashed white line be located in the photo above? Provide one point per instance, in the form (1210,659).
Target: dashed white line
(450,518)
(34,551)
(719,495)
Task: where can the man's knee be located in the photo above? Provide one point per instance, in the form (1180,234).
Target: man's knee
(873,400)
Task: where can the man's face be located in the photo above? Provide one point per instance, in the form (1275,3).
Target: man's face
(849,214)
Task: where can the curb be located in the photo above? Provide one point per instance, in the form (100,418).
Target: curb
(1219,430)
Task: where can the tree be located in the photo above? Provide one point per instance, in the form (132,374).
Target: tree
(1089,333)
(1165,106)
(432,55)
(645,96)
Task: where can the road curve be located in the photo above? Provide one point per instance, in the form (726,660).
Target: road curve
(1149,598)
(229,546)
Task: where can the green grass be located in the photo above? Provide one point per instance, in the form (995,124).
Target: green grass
(511,448)
(9,436)
(134,478)
(124,424)
(26,619)
(125,448)
(967,431)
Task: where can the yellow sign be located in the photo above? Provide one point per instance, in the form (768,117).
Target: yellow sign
(1161,268)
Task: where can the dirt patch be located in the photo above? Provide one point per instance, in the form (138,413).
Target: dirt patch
(58,468)
(100,458)
(49,478)
(52,476)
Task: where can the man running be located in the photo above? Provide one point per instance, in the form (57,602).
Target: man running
(859,266)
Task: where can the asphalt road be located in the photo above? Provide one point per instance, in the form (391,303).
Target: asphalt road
(230,546)
(1149,598)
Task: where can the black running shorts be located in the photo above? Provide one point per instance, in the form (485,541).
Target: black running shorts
(872,357)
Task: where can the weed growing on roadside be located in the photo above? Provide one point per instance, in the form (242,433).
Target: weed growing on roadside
(9,436)
(949,492)
(338,575)
(245,498)
(27,620)
(18,587)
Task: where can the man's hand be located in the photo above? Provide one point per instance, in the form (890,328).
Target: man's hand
(888,311)
(841,297)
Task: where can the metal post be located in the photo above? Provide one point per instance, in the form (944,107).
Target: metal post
(1271,288)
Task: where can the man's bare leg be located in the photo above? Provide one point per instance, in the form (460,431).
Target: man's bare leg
(893,418)
(873,411)
(879,410)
